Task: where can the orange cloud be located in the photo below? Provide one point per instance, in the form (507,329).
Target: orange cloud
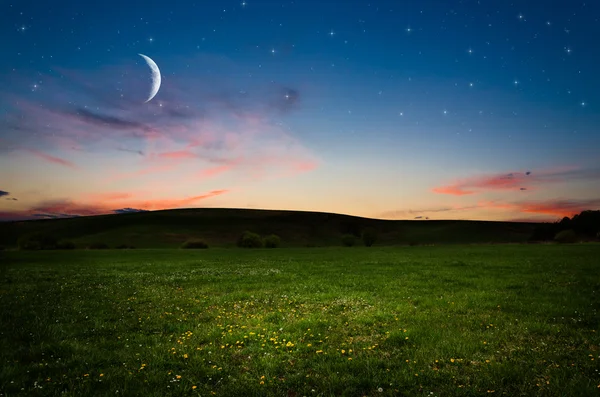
(214,171)
(174,203)
(64,208)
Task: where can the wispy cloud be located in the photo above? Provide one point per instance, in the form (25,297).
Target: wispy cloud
(556,207)
(52,159)
(515,181)
(128,210)
(106,203)
(551,207)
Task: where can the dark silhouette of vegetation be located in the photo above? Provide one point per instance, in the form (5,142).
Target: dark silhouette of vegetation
(348,240)
(195,243)
(65,245)
(350,227)
(272,241)
(37,241)
(125,246)
(97,246)
(369,236)
(585,225)
(566,237)
(250,240)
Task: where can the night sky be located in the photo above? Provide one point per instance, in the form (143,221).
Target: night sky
(387,109)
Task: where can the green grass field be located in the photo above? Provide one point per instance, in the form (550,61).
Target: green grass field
(509,320)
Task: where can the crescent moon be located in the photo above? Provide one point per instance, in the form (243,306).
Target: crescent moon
(155,76)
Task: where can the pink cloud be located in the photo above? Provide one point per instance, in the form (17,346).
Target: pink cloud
(178,154)
(453,190)
(557,207)
(515,181)
(52,159)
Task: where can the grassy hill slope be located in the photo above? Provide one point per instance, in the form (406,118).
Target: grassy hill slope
(222,227)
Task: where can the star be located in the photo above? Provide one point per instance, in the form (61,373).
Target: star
(408,30)
(516,82)
(151,39)
(470,84)
(272,50)
(583,104)
(244,4)
(567,50)
(331,33)
(445,111)
(470,51)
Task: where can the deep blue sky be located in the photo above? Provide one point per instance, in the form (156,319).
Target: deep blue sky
(380,108)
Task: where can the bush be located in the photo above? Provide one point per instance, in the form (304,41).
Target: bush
(125,247)
(97,246)
(195,243)
(348,240)
(566,237)
(37,241)
(250,240)
(272,241)
(369,236)
(65,245)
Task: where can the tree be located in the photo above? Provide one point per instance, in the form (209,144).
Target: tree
(348,240)
(194,243)
(250,240)
(566,237)
(369,236)
(37,241)
(272,241)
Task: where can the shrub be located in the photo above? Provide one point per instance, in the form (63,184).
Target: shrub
(250,240)
(125,247)
(413,243)
(348,240)
(195,243)
(97,246)
(566,237)
(272,241)
(369,236)
(37,241)
(65,245)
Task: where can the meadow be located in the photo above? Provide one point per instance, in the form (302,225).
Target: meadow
(454,320)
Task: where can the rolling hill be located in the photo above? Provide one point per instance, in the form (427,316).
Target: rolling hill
(222,227)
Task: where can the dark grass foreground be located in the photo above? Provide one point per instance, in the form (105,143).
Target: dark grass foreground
(452,321)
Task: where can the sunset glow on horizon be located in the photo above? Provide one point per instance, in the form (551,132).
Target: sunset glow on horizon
(472,113)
